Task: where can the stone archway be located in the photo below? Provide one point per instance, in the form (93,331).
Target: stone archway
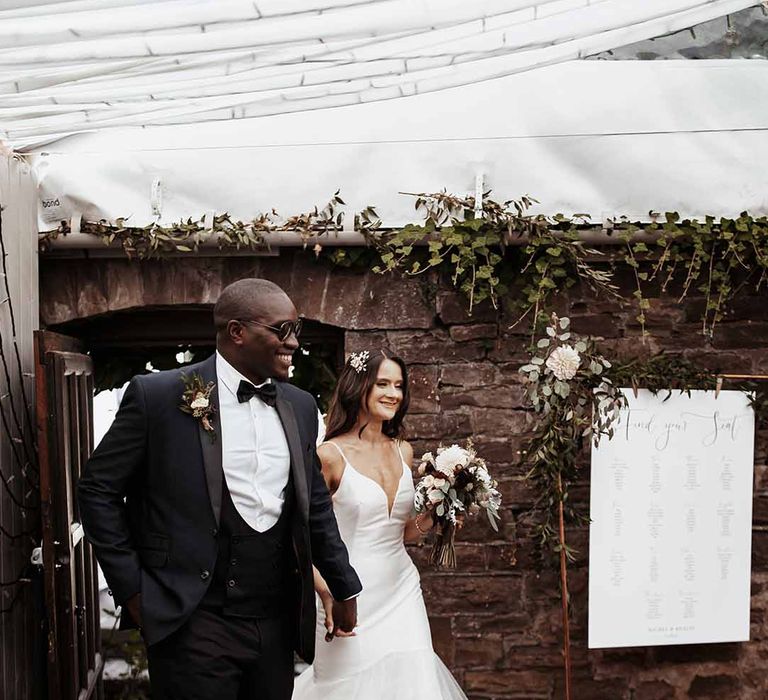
(151,309)
(77,288)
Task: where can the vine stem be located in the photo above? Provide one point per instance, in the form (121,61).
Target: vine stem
(564,592)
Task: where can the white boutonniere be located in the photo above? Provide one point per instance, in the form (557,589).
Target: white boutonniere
(196,401)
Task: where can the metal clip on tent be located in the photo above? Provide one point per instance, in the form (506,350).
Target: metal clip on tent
(479,186)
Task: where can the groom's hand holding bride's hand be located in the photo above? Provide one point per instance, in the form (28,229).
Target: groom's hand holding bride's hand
(340,617)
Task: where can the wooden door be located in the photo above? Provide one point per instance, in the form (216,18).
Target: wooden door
(64,388)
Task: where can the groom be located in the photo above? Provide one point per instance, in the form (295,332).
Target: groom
(206,508)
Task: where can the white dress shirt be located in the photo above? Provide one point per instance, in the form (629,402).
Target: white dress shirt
(254,451)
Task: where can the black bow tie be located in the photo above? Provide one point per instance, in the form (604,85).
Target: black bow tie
(266,392)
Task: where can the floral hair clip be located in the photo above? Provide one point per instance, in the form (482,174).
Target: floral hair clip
(359,361)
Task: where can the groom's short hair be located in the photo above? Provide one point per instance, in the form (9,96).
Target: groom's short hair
(243,299)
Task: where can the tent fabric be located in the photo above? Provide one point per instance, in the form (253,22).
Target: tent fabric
(607,138)
(84,65)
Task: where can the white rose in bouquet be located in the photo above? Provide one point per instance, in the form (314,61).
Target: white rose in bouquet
(450,459)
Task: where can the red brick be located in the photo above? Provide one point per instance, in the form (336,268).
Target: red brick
(501,557)
(422,380)
(513,684)
(442,638)
(759,549)
(357,341)
(700,653)
(428,347)
(597,325)
(607,689)
(749,334)
(436,427)
(355,301)
(498,422)
(461,334)
(449,593)
(491,396)
(479,651)
(474,374)
(655,690)
(718,686)
(453,307)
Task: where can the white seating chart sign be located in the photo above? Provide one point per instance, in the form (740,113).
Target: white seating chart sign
(671,522)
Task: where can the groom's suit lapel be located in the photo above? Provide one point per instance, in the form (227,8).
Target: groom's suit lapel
(291,429)
(211,449)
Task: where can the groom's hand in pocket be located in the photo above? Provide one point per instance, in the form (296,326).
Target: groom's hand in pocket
(133,606)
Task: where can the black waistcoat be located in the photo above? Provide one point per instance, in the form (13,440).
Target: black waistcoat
(254,573)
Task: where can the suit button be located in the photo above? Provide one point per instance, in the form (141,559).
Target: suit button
(204,574)
(233,562)
(214,532)
(231,583)
(235,540)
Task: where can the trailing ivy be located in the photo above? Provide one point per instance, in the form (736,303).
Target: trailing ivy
(472,250)
(154,240)
(716,258)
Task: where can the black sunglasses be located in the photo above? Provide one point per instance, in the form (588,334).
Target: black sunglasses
(283,331)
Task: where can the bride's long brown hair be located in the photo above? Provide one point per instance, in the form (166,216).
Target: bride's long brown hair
(352,391)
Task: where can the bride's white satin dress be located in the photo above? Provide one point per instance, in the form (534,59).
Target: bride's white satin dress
(391,655)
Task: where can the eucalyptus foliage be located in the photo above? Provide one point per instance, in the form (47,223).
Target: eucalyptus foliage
(572,410)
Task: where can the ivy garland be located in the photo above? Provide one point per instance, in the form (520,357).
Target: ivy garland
(716,258)
(154,240)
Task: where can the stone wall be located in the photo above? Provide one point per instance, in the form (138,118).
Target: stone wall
(496,620)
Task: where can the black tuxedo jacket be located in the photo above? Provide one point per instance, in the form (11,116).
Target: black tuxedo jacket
(150,500)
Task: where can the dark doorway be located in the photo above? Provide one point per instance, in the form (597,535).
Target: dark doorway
(123,344)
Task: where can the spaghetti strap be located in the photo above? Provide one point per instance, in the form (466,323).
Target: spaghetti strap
(399,451)
(343,456)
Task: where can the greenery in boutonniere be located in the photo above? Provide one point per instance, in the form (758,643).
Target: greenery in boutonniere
(196,401)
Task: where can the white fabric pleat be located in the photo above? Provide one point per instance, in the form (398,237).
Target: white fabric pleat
(84,65)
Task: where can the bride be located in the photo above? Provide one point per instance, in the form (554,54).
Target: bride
(367,467)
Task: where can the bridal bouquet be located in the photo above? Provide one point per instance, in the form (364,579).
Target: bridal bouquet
(455,483)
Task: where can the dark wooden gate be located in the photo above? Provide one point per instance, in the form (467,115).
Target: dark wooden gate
(64,385)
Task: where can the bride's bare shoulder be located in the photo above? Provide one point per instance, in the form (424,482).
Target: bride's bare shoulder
(331,463)
(329,453)
(406,449)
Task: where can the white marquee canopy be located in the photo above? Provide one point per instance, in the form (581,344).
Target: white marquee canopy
(240,106)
